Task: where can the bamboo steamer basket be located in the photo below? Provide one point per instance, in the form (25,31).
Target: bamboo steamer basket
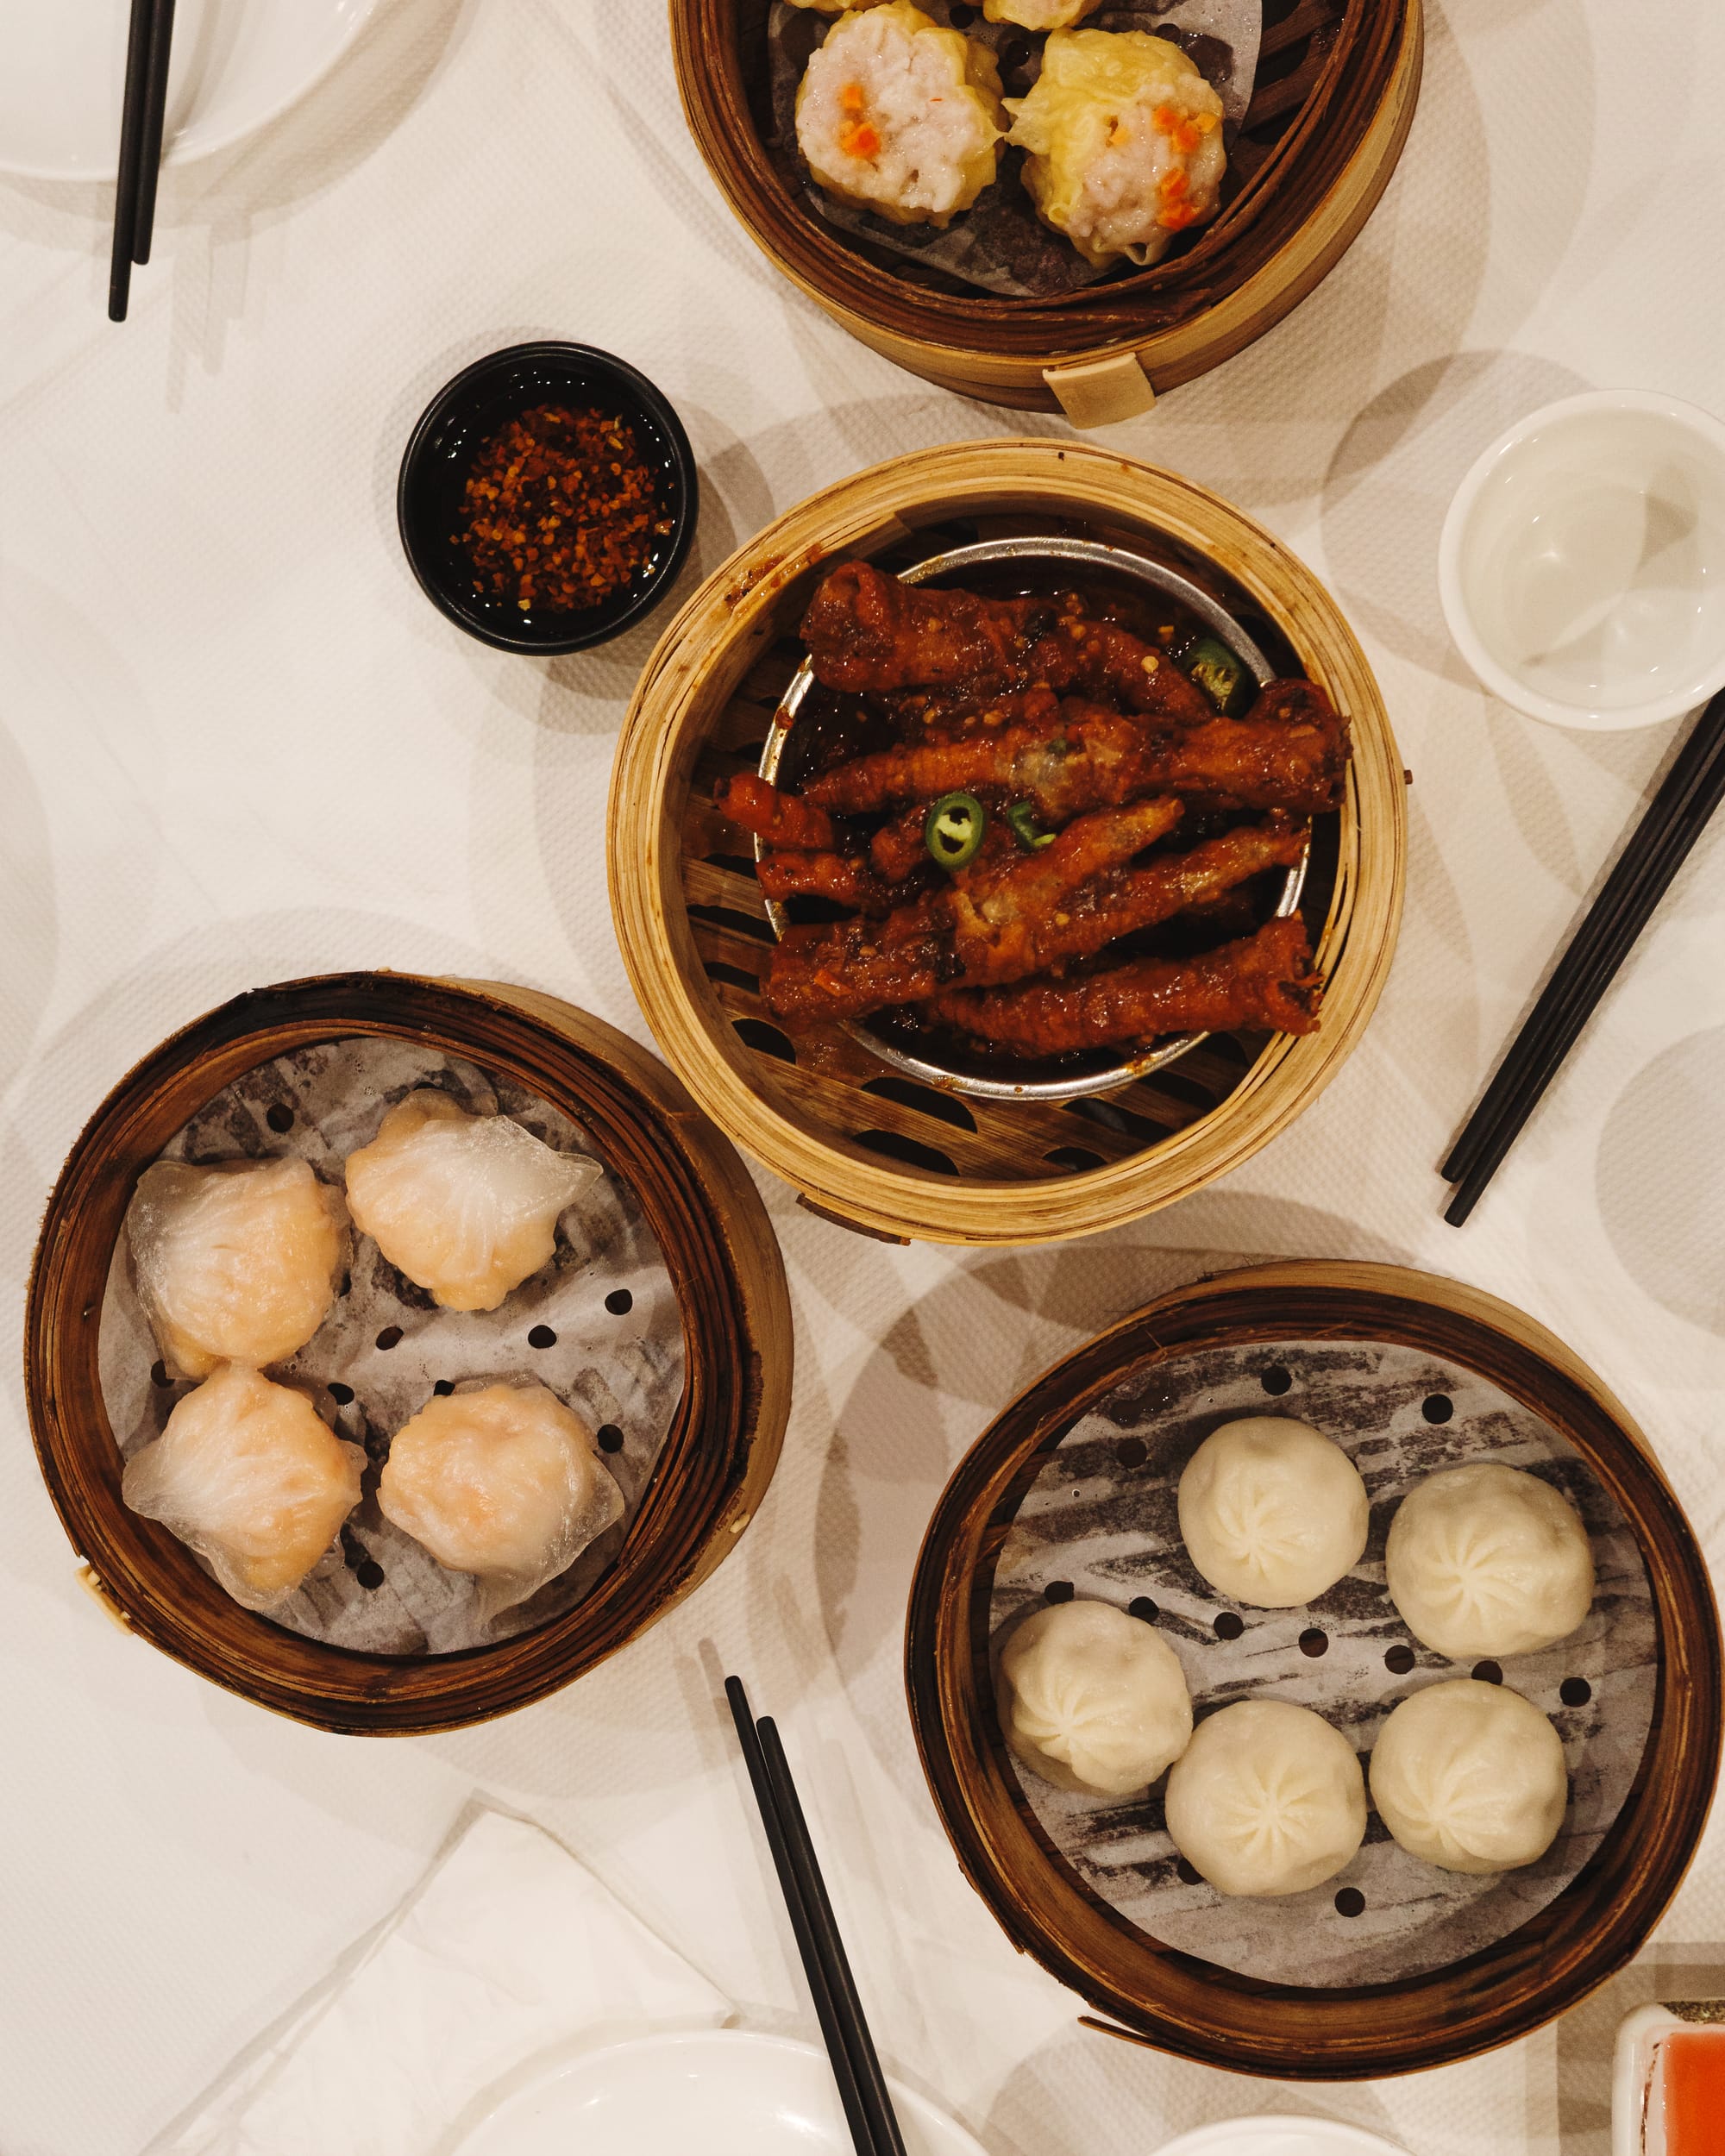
(712,1231)
(1337,86)
(892,1158)
(1154,1993)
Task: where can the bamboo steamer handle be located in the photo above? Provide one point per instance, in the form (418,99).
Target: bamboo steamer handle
(1101,392)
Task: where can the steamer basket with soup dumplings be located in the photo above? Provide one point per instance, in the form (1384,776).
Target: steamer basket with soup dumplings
(638,1363)
(1399,1958)
(868,1141)
(1316,123)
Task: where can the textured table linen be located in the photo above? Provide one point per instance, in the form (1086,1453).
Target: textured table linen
(236,745)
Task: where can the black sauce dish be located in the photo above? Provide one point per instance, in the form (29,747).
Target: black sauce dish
(465,414)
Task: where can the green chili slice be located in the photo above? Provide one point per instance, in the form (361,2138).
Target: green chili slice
(1220,676)
(1021,816)
(953,829)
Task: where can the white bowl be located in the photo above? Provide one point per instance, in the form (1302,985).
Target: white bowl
(1582,566)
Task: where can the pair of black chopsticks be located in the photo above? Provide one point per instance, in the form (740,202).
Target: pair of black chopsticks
(140,141)
(1678,815)
(862,2085)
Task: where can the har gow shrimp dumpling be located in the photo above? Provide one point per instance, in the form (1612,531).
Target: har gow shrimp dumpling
(897,115)
(236,1263)
(1488,1561)
(504,1481)
(1092,1700)
(1273,1512)
(1123,143)
(466,1206)
(1267,1799)
(246,1474)
(1471,1776)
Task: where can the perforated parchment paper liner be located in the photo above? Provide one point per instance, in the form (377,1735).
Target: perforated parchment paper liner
(599,1325)
(1100,1520)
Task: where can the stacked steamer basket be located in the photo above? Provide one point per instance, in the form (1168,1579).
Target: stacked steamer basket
(863,1144)
(1072,1489)
(696,1201)
(1333,100)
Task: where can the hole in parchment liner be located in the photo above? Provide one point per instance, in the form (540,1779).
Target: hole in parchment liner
(1119,1542)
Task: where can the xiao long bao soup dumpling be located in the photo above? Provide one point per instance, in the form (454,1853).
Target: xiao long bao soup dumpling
(236,1263)
(467,1206)
(1488,1562)
(1267,1799)
(1092,1700)
(899,115)
(1123,143)
(1471,1776)
(247,1475)
(503,1481)
(1272,1512)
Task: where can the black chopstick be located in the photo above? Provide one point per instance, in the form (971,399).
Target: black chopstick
(1621,909)
(132,116)
(155,114)
(1675,818)
(855,2068)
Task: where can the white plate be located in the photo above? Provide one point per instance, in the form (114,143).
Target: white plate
(236,65)
(1280,2136)
(725,2092)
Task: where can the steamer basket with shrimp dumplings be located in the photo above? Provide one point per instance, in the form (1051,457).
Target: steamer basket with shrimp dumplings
(657,1324)
(1390,1964)
(905,1146)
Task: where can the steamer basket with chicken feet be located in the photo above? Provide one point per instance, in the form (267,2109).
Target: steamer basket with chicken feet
(759,1033)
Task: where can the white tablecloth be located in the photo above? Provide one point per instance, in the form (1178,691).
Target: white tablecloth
(237,745)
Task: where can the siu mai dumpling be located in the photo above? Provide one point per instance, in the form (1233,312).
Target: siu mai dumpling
(237,1263)
(1123,142)
(902,117)
(504,1481)
(245,1473)
(466,1206)
(1039,15)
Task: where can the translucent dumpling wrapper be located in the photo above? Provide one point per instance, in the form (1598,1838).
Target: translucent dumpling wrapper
(900,115)
(503,1481)
(1123,143)
(245,1473)
(467,1206)
(237,1263)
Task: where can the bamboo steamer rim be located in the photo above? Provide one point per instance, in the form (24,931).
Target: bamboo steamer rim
(718,1248)
(733,617)
(1181,2004)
